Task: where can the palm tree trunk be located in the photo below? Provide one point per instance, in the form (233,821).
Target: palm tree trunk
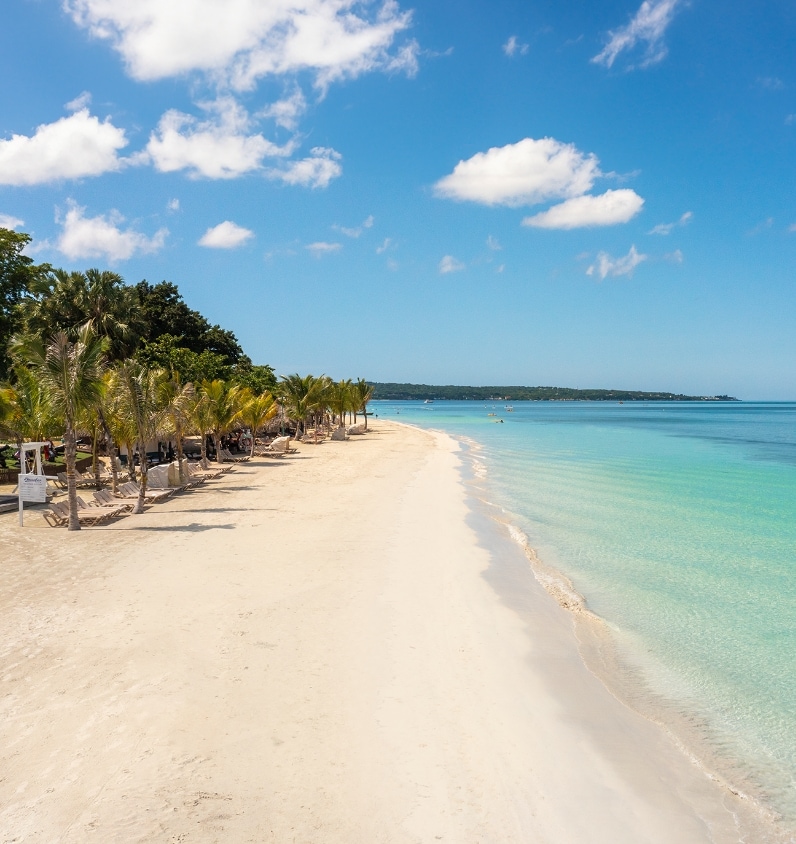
(217,442)
(365,414)
(139,504)
(203,450)
(179,454)
(95,456)
(111,451)
(70,455)
(130,462)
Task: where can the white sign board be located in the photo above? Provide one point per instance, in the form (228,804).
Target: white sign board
(33,488)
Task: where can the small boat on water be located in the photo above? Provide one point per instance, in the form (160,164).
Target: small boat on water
(509,408)
(429,401)
(491,414)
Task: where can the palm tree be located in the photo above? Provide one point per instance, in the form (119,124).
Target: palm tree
(302,395)
(141,399)
(340,398)
(200,420)
(70,301)
(256,411)
(178,400)
(29,415)
(363,393)
(71,375)
(224,406)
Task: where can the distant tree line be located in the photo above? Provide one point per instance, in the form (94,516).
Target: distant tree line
(422,392)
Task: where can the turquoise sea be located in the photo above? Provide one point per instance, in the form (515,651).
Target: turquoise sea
(677,524)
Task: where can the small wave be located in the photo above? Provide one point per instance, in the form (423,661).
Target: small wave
(554,582)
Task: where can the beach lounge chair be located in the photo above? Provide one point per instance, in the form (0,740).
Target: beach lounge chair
(229,457)
(106,497)
(278,448)
(81,481)
(195,471)
(132,490)
(101,511)
(58,514)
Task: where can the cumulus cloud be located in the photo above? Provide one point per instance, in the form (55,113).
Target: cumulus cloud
(449,264)
(79,102)
(220,147)
(226,235)
(608,209)
(317,171)
(668,228)
(321,247)
(606,266)
(387,243)
(526,173)
(9,222)
(357,230)
(174,205)
(513,47)
(71,148)
(102,237)
(286,112)
(239,41)
(648,27)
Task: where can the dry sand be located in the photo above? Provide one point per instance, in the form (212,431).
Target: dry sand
(316,649)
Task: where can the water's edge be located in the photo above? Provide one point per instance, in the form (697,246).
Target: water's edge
(622,676)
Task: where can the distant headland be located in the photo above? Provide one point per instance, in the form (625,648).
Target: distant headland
(423,392)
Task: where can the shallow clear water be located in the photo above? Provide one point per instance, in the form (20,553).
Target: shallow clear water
(677,523)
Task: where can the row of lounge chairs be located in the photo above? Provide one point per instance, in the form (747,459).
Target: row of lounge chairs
(107,506)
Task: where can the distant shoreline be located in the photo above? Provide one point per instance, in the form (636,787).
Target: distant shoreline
(430,392)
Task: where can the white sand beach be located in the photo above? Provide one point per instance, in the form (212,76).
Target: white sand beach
(317,649)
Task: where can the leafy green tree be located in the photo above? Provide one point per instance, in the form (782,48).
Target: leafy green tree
(259,379)
(166,352)
(30,414)
(71,375)
(17,274)
(163,311)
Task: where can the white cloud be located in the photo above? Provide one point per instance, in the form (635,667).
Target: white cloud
(667,228)
(512,47)
(607,209)
(218,148)
(79,102)
(240,41)
(357,231)
(386,244)
(648,26)
(493,243)
(606,266)
(101,237)
(526,173)
(322,248)
(500,268)
(317,171)
(449,264)
(287,111)
(226,235)
(675,257)
(9,222)
(174,205)
(71,148)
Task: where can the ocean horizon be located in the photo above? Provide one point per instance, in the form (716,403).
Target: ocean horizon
(675,523)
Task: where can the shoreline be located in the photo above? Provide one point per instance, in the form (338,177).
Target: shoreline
(334,647)
(623,676)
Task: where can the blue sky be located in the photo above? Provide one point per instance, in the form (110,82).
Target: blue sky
(561,193)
